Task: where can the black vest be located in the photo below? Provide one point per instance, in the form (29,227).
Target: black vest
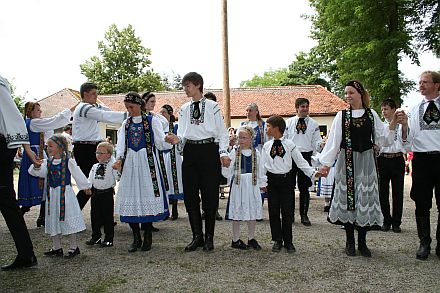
(361,130)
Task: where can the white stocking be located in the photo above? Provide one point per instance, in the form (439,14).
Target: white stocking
(251,229)
(235,230)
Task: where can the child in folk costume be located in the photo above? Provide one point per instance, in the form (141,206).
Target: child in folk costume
(103,179)
(63,214)
(140,198)
(173,161)
(246,176)
(30,188)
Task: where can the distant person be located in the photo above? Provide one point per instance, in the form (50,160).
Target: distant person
(258,125)
(13,134)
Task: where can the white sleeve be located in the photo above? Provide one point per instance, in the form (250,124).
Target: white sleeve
(333,144)
(222,133)
(288,132)
(103,116)
(41,172)
(227,172)
(261,174)
(301,162)
(316,138)
(120,146)
(81,180)
(91,174)
(47,124)
(383,136)
(159,135)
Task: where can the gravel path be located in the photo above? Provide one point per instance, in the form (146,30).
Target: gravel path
(318,265)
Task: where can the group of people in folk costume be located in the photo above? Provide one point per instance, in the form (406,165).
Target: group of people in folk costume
(269,157)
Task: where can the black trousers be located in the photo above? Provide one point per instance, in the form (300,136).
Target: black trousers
(304,183)
(101,213)
(391,169)
(201,171)
(425,178)
(85,157)
(279,197)
(8,204)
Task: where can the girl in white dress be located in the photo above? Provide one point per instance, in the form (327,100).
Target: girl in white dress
(141,198)
(246,178)
(63,215)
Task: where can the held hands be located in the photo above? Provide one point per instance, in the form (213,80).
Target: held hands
(172,138)
(323,171)
(263,189)
(398,117)
(117,165)
(37,163)
(88,191)
(226,161)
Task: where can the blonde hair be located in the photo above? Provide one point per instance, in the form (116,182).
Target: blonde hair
(62,144)
(108,146)
(248,130)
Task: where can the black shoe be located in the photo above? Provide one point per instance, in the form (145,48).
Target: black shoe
(239,245)
(107,244)
(397,229)
(72,253)
(423,252)
(305,220)
(154,229)
(326,209)
(148,241)
(350,249)
(195,243)
(277,245)
(218,217)
(209,243)
(386,227)
(93,241)
(289,247)
(259,220)
(365,252)
(254,244)
(54,252)
(20,263)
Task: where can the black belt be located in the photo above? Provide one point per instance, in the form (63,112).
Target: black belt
(100,191)
(427,153)
(285,175)
(202,141)
(95,142)
(391,155)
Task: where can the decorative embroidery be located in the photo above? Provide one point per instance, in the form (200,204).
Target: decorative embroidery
(100,171)
(164,170)
(174,163)
(237,166)
(423,124)
(201,119)
(56,176)
(136,135)
(301,126)
(17,137)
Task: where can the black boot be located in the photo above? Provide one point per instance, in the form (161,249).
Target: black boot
(303,209)
(42,215)
(350,249)
(148,238)
(423,230)
(362,242)
(195,220)
(174,212)
(20,263)
(137,242)
(210,218)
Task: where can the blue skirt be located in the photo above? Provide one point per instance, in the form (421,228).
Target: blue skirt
(29,192)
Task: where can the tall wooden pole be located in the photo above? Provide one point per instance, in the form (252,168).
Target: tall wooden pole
(226,90)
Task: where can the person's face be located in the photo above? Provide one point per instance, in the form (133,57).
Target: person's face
(133,109)
(270,131)
(244,140)
(191,90)
(36,112)
(102,155)
(52,149)
(91,96)
(165,114)
(427,87)
(149,106)
(231,131)
(303,110)
(251,113)
(353,97)
(387,112)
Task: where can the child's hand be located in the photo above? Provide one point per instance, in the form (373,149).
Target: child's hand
(117,165)
(37,163)
(172,138)
(226,161)
(88,191)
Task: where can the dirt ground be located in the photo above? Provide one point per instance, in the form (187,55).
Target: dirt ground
(318,265)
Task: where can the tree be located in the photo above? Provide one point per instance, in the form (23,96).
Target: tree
(269,78)
(175,84)
(18,99)
(123,65)
(427,23)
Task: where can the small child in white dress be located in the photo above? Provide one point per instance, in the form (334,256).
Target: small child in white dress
(63,214)
(246,178)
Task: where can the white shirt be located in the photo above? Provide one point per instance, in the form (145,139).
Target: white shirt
(12,125)
(397,146)
(422,137)
(210,124)
(48,125)
(383,136)
(283,165)
(86,118)
(106,181)
(159,136)
(310,141)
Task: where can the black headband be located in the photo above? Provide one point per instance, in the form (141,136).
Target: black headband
(357,86)
(133,98)
(168,108)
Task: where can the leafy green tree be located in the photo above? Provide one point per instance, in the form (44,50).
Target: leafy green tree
(123,64)
(175,84)
(426,19)
(269,78)
(18,99)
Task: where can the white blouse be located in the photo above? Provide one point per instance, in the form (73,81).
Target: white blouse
(48,125)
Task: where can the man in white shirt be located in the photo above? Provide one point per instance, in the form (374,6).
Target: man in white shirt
(391,164)
(85,132)
(424,141)
(13,134)
(304,132)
